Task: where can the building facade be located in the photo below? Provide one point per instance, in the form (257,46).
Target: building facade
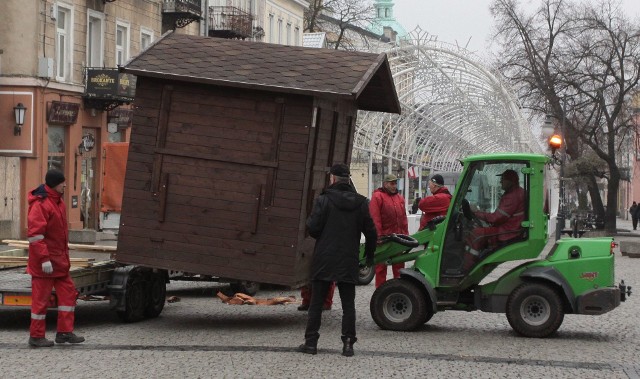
(58,63)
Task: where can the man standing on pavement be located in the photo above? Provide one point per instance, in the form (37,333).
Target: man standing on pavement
(390,216)
(339,215)
(437,204)
(635,214)
(49,263)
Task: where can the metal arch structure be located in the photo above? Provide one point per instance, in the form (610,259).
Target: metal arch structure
(452,106)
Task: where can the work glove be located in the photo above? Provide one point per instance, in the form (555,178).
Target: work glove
(47,268)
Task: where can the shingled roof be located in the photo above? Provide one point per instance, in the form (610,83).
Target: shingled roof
(364,77)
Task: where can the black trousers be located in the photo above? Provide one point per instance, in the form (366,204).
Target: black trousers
(634,220)
(319,290)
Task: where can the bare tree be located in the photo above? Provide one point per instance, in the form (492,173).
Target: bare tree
(345,21)
(579,62)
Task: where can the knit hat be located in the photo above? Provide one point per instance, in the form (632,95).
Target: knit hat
(53,178)
(438,179)
(341,170)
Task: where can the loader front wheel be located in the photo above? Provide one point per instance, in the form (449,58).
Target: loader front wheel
(535,310)
(399,305)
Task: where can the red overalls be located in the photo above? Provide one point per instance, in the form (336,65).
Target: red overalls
(48,237)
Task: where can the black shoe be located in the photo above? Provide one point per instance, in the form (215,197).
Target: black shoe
(347,349)
(40,342)
(304,348)
(303,307)
(68,337)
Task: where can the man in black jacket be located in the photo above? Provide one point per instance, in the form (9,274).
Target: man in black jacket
(339,215)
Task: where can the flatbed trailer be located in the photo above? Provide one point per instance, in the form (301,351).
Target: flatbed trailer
(134,292)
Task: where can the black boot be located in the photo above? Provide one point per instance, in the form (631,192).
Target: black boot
(308,349)
(347,349)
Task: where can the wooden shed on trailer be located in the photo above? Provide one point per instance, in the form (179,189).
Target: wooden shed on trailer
(230,144)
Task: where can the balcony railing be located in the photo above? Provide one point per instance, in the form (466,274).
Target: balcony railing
(229,22)
(182,6)
(180,13)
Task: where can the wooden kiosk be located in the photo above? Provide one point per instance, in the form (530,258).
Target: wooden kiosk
(231,142)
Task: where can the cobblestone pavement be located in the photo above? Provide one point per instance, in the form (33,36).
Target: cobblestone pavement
(200,337)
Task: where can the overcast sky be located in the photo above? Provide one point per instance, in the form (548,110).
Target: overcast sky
(461,21)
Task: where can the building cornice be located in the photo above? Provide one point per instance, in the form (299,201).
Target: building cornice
(37,82)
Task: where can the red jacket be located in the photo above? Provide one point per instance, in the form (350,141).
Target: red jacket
(47,232)
(388,213)
(435,205)
(509,214)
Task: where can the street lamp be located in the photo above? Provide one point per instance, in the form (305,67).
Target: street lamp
(556,142)
(19,112)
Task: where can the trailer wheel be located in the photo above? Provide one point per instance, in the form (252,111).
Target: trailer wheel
(157,293)
(535,310)
(399,305)
(135,300)
(366,275)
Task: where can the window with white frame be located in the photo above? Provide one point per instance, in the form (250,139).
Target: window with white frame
(271,29)
(288,33)
(95,39)
(146,37)
(296,36)
(279,31)
(122,42)
(64,42)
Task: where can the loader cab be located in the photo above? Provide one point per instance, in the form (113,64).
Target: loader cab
(469,239)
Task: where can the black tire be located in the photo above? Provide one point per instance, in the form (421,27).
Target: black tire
(399,305)
(245,287)
(535,310)
(135,300)
(366,275)
(156,295)
(404,240)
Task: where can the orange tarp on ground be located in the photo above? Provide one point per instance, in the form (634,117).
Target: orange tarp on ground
(115,166)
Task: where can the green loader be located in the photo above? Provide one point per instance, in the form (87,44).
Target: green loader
(575,277)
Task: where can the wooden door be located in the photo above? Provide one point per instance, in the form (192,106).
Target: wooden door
(10,197)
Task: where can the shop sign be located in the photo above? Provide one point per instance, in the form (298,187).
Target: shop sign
(88,143)
(122,117)
(109,84)
(63,113)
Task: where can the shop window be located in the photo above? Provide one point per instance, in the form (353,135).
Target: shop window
(57,138)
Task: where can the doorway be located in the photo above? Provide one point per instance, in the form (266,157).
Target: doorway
(88,177)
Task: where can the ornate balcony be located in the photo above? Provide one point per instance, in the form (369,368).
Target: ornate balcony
(229,22)
(180,13)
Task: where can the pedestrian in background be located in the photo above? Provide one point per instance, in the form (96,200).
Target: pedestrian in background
(635,214)
(338,218)
(437,204)
(390,216)
(49,263)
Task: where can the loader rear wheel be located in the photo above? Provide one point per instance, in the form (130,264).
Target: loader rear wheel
(366,275)
(535,310)
(399,305)
(157,293)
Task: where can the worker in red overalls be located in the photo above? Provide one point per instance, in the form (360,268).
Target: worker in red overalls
(390,216)
(49,262)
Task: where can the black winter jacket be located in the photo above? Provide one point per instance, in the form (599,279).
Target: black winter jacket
(339,215)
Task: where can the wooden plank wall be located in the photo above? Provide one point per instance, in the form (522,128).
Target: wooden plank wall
(330,142)
(215,186)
